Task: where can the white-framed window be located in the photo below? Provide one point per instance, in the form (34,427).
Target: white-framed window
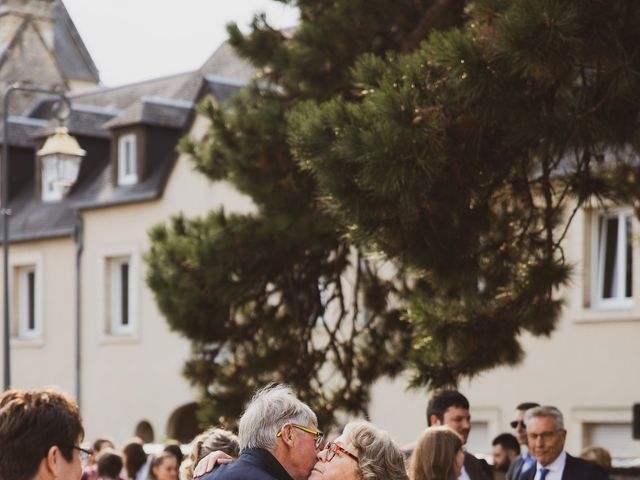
(127,160)
(612,259)
(119,305)
(26,298)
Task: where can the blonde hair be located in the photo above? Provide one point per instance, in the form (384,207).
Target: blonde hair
(209,441)
(434,457)
(598,455)
(379,457)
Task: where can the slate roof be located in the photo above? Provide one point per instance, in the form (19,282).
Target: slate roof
(162,102)
(225,63)
(157,111)
(69,49)
(124,96)
(22,130)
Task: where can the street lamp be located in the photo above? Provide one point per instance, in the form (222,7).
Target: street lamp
(61,152)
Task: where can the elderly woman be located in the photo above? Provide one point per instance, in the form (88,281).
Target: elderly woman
(362,452)
(438,455)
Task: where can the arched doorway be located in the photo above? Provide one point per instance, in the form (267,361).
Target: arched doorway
(183,423)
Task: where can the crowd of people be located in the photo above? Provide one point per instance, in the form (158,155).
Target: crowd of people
(41,438)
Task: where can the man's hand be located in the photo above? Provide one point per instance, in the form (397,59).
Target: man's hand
(210,462)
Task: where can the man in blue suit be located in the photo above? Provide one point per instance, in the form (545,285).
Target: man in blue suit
(279,439)
(525,461)
(546,435)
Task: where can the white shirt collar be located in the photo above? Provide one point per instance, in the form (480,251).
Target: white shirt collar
(557,466)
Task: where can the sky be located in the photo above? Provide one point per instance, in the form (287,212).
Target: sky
(133,40)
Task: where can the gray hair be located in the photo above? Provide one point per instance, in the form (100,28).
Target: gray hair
(545,411)
(271,409)
(379,458)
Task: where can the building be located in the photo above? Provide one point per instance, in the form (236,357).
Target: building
(82,317)
(38,40)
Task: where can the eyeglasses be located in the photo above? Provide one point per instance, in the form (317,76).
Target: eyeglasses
(316,433)
(85,453)
(333,448)
(515,423)
(544,436)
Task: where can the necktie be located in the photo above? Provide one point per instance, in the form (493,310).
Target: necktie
(543,473)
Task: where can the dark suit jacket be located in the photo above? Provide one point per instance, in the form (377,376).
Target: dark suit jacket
(254,464)
(514,469)
(476,468)
(575,469)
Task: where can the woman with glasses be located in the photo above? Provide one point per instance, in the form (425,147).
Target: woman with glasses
(438,455)
(362,452)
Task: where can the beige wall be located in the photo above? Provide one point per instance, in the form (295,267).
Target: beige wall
(138,377)
(49,359)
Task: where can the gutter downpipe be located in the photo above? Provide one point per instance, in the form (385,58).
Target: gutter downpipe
(78,236)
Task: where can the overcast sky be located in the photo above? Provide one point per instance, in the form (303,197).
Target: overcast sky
(131,40)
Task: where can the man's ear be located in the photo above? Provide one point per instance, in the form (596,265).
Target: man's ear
(434,421)
(287,436)
(51,462)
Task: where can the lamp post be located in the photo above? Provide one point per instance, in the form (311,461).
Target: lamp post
(53,148)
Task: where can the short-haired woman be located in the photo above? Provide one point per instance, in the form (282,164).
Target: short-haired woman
(362,452)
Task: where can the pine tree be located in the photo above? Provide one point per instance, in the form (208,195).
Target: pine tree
(466,159)
(282,295)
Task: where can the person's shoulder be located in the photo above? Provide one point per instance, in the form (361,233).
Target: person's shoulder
(477,468)
(577,465)
(238,470)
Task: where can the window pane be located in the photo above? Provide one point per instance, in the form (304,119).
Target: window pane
(610,237)
(124,293)
(31,299)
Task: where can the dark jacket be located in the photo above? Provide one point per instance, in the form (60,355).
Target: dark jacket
(477,469)
(514,469)
(575,469)
(253,464)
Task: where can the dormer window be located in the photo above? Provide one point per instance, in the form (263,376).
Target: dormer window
(127,160)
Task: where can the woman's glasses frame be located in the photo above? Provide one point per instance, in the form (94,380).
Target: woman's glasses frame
(332,448)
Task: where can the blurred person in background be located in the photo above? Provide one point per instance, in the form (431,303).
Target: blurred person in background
(505,450)
(211,440)
(136,462)
(164,467)
(525,461)
(108,464)
(40,436)
(173,446)
(438,455)
(90,471)
(599,456)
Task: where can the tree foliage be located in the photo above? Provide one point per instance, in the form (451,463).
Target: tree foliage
(282,294)
(466,159)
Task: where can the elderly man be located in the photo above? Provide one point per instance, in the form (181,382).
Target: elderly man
(451,408)
(278,437)
(525,461)
(546,435)
(40,434)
